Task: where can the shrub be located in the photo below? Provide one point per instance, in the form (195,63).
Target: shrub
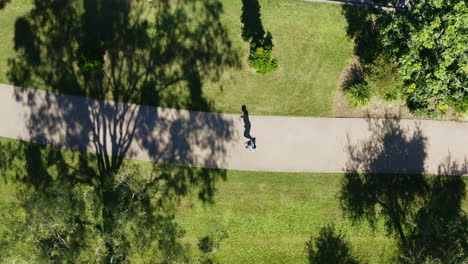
(358,94)
(260,59)
(383,79)
(391,96)
(421,109)
(354,85)
(330,246)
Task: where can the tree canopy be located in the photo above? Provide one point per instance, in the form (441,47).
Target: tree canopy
(429,41)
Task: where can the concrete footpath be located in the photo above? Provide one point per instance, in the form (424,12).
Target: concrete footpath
(288,144)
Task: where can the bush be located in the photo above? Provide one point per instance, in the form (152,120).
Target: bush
(354,85)
(391,96)
(418,108)
(359,94)
(260,59)
(383,79)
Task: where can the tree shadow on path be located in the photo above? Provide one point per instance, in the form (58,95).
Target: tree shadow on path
(408,201)
(134,52)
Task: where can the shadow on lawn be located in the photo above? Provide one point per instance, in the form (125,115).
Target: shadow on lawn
(137,53)
(3,3)
(363,29)
(423,212)
(329,247)
(252,27)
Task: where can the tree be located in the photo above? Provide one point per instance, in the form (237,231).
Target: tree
(329,247)
(428,41)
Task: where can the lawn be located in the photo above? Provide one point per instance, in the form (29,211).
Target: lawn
(8,17)
(310,44)
(269,217)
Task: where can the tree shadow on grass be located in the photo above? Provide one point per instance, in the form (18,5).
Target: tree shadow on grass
(440,226)
(135,52)
(3,3)
(363,29)
(416,208)
(252,26)
(261,44)
(329,247)
(128,51)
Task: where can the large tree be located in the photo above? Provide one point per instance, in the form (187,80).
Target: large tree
(429,40)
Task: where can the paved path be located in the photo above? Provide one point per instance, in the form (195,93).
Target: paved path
(292,144)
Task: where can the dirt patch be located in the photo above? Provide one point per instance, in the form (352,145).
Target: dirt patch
(377,108)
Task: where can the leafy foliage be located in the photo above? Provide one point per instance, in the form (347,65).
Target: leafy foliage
(210,244)
(428,42)
(261,60)
(359,94)
(90,60)
(261,43)
(355,86)
(383,78)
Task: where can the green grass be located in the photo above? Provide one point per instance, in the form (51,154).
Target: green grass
(310,44)
(312,49)
(8,17)
(269,217)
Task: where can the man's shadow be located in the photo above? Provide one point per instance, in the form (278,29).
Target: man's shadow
(247,124)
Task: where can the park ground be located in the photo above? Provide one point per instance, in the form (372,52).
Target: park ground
(265,217)
(268,217)
(310,43)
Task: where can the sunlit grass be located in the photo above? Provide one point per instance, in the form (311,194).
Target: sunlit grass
(310,44)
(8,17)
(269,217)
